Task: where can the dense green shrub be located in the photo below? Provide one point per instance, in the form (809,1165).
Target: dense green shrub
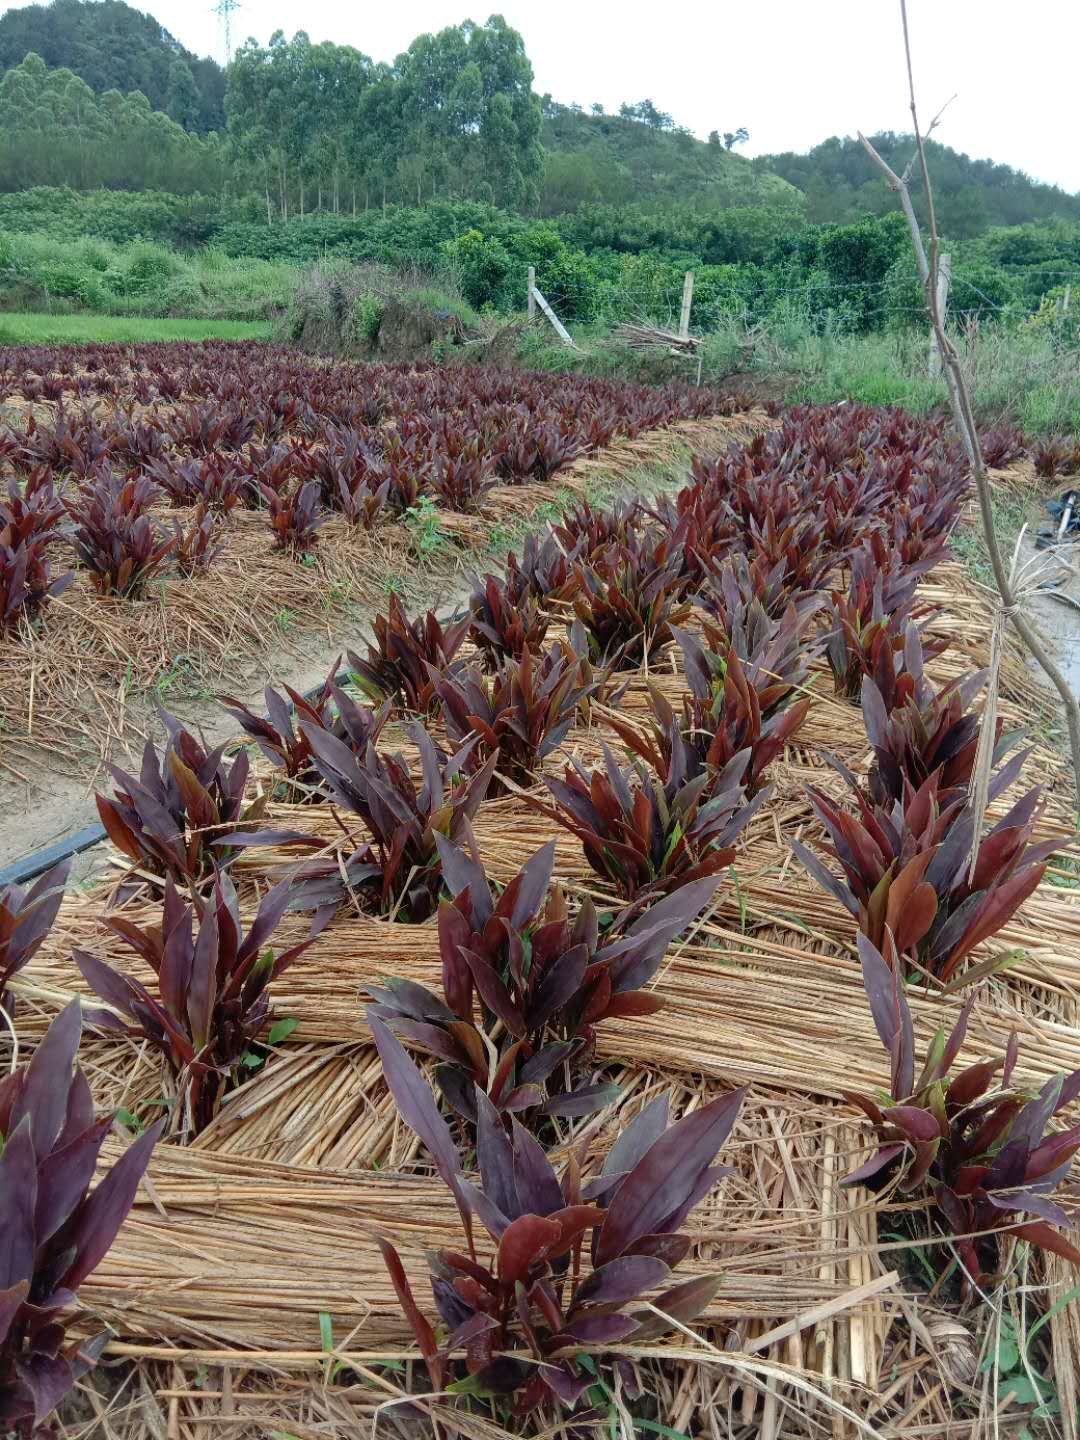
(119,216)
(482,266)
(365,320)
(144,278)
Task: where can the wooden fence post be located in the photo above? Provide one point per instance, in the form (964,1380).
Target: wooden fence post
(532,292)
(687,297)
(559,327)
(944,275)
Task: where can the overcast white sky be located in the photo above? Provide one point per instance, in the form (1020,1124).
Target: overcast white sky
(792,71)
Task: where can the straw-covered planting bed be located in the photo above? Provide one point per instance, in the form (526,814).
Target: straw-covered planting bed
(674,825)
(180,517)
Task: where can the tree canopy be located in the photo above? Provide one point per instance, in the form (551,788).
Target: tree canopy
(453,116)
(54,130)
(112,46)
(841,183)
(97,94)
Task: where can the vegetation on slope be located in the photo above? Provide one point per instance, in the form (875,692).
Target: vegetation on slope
(841,183)
(642,156)
(112,46)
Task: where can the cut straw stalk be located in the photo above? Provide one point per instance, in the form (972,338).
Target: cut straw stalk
(245,1253)
(776,1006)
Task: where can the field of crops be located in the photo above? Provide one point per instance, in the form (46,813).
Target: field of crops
(599,1009)
(178,516)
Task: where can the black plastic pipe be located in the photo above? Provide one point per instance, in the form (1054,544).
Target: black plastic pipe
(38,861)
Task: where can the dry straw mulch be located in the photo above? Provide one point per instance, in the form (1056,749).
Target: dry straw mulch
(241,1241)
(82,686)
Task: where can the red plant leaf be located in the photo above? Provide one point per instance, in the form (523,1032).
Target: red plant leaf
(421,1328)
(524,1243)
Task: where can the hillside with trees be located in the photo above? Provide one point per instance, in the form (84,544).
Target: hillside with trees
(112,46)
(445,159)
(298,126)
(324,126)
(55,130)
(841,183)
(641,154)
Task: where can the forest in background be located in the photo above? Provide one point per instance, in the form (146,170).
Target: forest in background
(160,179)
(454,117)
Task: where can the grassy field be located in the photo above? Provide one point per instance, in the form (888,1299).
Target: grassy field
(120,329)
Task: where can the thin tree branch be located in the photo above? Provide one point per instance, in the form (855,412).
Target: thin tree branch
(963,412)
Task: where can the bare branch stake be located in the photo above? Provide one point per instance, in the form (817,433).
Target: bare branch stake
(963,413)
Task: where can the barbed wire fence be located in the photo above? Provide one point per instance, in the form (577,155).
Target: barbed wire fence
(871,306)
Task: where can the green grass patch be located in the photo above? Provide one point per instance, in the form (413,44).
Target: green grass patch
(432,297)
(121,329)
(869,387)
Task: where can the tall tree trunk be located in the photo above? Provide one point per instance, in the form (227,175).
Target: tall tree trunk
(269,211)
(301,199)
(354,202)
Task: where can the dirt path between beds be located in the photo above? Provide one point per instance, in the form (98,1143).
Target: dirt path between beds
(46,807)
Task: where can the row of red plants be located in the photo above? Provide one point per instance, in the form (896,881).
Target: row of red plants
(253,426)
(528,975)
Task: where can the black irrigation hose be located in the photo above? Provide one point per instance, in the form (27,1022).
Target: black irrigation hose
(35,864)
(38,861)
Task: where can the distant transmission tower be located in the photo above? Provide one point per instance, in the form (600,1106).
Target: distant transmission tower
(225,10)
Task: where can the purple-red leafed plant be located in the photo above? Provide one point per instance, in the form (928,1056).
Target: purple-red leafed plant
(56,1230)
(115,539)
(399,664)
(799,546)
(929,732)
(206,428)
(26,917)
(906,865)
(629,600)
(31,521)
(573,1263)
(196,546)
(587,532)
(405,468)
(364,502)
(1051,457)
(462,479)
(279,736)
(176,817)
(731,583)
(212,481)
(524,988)
(74,445)
(399,872)
(212,1003)
(648,833)
(556,446)
(703,524)
(973,1145)
(503,622)
(520,714)
(867,630)
(295,517)
(1001,447)
(543,570)
(742,682)
(138,442)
